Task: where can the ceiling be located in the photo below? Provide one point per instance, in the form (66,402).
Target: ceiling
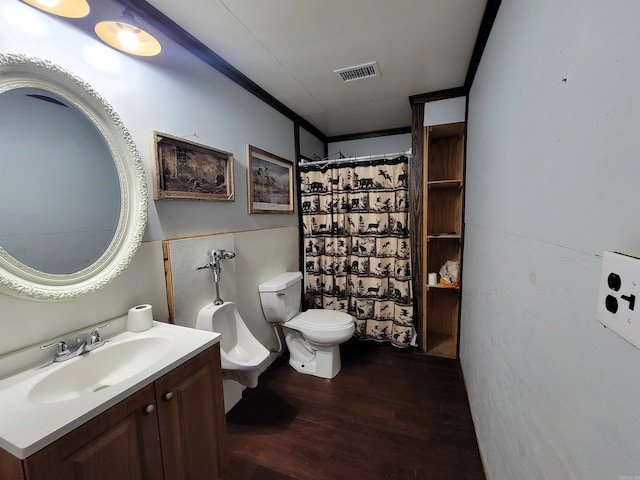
(290,48)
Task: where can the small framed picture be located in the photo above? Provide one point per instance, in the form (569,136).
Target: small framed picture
(189,170)
(269,182)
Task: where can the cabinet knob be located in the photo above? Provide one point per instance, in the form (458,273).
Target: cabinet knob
(168,396)
(149,408)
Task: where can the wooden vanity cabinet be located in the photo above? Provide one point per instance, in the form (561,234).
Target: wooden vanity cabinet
(120,443)
(192,421)
(172,429)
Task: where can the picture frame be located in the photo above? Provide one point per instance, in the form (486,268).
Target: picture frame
(269,182)
(191,171)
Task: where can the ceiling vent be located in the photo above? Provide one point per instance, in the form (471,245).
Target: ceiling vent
(359,72)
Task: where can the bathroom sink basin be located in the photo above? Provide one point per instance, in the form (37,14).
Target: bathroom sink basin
(99,369)
(44,400)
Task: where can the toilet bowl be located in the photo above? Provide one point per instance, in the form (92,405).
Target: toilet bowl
(312,337)
(243,358)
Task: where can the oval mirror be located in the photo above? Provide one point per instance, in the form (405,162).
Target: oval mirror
(74,195)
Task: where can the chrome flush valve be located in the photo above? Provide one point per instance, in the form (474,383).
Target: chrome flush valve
(215,257)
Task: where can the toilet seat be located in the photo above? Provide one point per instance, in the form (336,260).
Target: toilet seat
(323,326)
(321,320)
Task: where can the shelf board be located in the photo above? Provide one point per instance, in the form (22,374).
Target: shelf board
(440,345)
(446,130)
(441,287)
(453,236)
(445,184)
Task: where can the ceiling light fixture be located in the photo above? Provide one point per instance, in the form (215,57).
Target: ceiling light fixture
(126,35)
(62,8)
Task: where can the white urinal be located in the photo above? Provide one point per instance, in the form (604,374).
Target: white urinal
(243,358)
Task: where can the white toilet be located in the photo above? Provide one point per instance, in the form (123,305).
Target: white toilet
(314,336)
(243,358)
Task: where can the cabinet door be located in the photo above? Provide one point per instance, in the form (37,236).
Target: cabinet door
(10,466)
(191,419)
(120,444)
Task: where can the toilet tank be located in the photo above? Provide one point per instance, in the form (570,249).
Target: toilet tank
(281,296)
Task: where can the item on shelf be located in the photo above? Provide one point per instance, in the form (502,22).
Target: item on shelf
(433,278)
(450,274)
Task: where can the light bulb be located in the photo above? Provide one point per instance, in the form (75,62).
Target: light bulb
(128,40)
(125,35)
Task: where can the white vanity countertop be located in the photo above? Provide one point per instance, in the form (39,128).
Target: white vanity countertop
(27,425)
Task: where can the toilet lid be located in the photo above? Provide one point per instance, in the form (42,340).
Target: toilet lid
(322,319)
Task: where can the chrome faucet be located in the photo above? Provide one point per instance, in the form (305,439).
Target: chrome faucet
(78,345)
(95,340)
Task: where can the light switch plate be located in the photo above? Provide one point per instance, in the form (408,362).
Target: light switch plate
(619,297)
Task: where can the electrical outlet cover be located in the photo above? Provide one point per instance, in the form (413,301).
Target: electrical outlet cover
(619,297)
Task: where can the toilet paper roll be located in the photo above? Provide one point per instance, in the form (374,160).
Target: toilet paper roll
(140,318)
(433,278)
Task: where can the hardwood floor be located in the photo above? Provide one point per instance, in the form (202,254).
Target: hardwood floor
(388,414)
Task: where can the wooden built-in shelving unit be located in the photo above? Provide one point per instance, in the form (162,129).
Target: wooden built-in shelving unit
(443,199)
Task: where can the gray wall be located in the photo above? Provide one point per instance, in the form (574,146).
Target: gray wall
(371,146)
(173,93)
(552,182)
(310,145)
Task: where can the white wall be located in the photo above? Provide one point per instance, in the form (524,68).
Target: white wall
(441,112)
(552,182)
(27,322)
(173,93)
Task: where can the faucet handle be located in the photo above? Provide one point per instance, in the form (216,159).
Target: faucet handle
(62,348)
(95,339)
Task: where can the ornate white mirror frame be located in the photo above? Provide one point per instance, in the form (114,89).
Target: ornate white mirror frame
(18,279)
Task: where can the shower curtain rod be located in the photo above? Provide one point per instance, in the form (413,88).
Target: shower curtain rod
(325,161)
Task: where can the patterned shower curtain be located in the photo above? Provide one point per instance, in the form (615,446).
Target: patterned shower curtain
(356,241)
